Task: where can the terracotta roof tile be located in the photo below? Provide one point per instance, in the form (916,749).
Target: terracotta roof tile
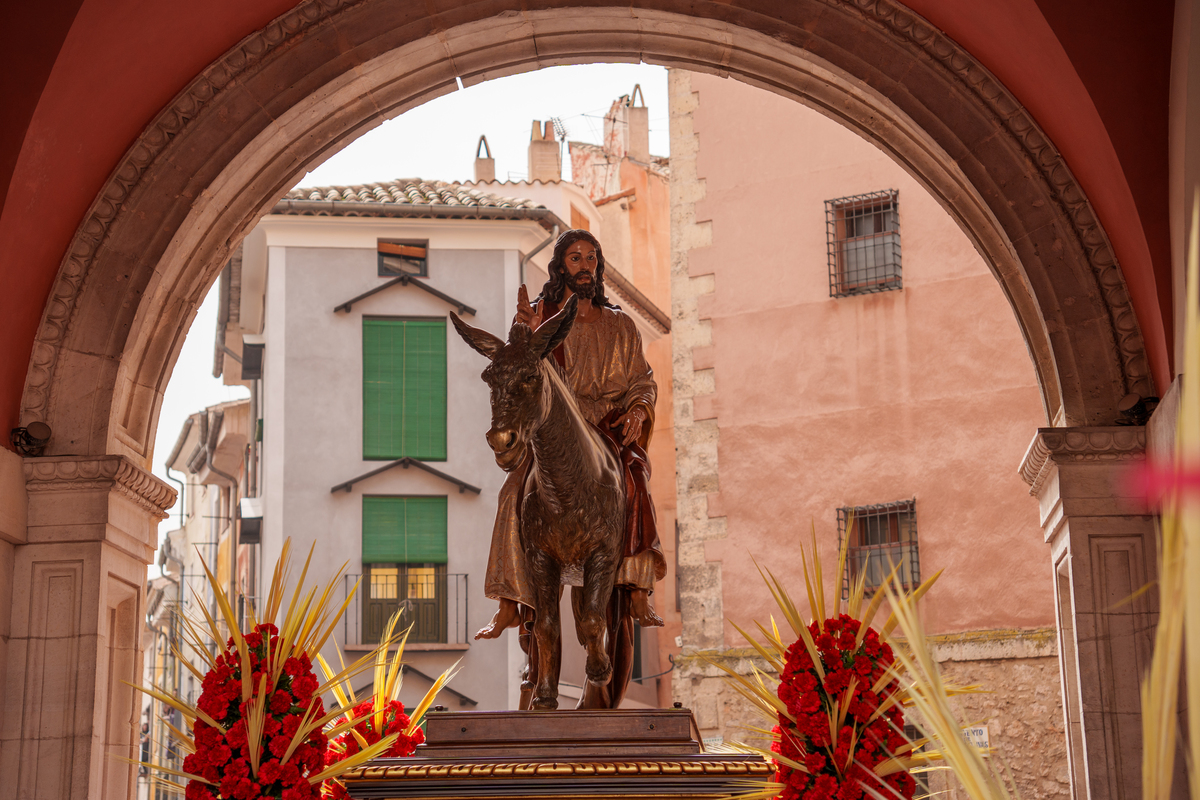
(413,192)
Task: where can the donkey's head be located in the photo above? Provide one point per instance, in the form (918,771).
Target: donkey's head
(519,393)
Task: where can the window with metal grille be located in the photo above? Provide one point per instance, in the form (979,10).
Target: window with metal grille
(404,389)
(397,257)
(879,537)
(863,234)
(404,558)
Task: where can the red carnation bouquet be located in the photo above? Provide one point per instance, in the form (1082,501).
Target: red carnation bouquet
(258,747)
(842,718)
(259,728)
(837,708)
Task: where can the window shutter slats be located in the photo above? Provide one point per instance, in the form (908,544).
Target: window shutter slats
(404,530)
(404,389)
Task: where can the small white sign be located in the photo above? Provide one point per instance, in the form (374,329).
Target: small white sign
(978,736)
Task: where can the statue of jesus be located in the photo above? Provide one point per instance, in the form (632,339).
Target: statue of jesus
(603,363)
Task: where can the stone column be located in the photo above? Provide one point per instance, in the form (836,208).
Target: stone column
(1103,549)
(75,628)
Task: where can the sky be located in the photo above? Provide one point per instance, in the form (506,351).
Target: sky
(435,141)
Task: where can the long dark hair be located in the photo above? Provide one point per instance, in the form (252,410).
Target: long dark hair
(554,288)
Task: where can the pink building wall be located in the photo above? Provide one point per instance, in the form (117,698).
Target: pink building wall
(821,402)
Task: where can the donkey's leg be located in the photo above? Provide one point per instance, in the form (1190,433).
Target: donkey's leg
(547,629)
(529,645)
(599,572)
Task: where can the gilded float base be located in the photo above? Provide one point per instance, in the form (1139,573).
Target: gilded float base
(560,754)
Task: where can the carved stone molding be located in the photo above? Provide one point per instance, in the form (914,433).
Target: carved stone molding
(898,23)
(1067,445)
(78,473)
(60,308)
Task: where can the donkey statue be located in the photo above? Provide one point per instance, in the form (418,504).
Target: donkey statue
(573,510)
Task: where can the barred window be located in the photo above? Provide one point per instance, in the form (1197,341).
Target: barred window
(878,537)
(863,234)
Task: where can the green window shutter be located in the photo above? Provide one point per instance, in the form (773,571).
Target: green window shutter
(404,530)
(404,389)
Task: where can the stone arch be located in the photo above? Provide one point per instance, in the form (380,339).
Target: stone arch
(289,95)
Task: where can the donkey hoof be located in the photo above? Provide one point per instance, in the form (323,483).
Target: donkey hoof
(545,703)
(599,671)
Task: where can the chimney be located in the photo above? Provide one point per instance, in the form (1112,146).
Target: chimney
(545,160)
(485,166)
(639,127)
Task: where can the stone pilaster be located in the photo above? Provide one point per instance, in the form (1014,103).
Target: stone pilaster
(694,383)
(75,627)
(1103,550)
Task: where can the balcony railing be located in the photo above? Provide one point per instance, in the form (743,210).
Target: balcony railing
(434,604)
(876,561)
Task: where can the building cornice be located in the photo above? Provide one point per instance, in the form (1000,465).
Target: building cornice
(1075,445)
(115,473)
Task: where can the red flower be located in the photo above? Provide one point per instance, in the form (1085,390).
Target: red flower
(236,735)
(198,791)
(238,768)
(303,686)
(268,772)
(279,746)
(810,702)
(290,725)
(289,773)
(281,701)
(246,789)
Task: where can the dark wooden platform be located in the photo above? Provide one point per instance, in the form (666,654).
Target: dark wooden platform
(632,753)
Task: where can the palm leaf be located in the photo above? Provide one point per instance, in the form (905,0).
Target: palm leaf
(1187,458)
(426,701)
(359,758)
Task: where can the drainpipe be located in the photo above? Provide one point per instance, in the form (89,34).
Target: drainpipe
(214,431)
(535,251)
(252,468)
(183,435)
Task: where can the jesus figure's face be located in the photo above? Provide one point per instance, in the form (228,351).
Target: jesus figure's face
(581,261)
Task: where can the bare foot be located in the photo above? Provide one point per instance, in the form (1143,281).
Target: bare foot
(507,616)
(642,611)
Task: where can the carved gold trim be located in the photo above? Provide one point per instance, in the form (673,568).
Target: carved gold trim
(741,769)
(79,473)
(1064,445)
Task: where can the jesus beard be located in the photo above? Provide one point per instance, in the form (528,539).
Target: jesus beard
(584,289)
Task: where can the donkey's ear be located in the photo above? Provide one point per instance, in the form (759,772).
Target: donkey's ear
(551,333)
(480,340)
